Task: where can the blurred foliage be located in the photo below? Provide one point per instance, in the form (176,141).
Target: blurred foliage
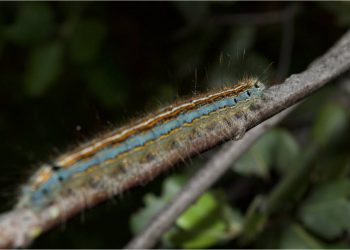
(71,70)
(327,209)
(34,23)
(43,68)
(276,148)
(295,237)
(206,223)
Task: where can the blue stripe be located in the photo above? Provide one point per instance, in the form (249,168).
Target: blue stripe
(139,140)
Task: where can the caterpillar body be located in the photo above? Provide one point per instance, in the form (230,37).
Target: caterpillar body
(136,153)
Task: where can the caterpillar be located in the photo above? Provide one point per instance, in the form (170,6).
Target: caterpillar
(137,152)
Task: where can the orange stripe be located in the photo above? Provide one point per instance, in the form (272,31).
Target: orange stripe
(187,105)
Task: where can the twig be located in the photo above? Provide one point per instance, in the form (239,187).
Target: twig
(199,183)
(20,226)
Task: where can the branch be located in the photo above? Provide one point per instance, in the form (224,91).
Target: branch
(321,71)
(199,183)
(20,226)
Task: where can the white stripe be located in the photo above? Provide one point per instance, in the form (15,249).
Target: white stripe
(93,147)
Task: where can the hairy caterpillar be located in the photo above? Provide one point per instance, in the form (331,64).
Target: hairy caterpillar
(135,153)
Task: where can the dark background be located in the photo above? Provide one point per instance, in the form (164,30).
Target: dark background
(71,70)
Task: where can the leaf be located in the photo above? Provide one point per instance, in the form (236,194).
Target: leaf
(276,147)
(254,220)
(206,223)
(295,237)
(44,66)
(286,151)
(86,41)
(235,220)
(259,158)
(34,23)
(330,122)
(154,204)
(327,211)
(200,226)
(195,214)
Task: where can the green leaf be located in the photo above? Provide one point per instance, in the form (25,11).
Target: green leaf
(235,220)
(201,238)
(195,214)
(286,151)
(44,66)
(327,211)
(331,122)
(276,147)
(34,23)
(200,224)
(209,221)
(295,237)
(86,41)
(259,158)
(154,204)
(254,219)
(206,223)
